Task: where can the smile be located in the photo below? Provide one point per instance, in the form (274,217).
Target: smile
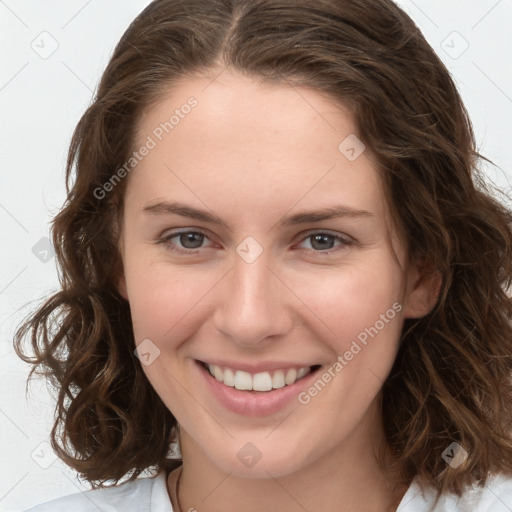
(262,381)
(259,389)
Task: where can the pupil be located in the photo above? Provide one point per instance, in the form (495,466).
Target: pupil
(196,239)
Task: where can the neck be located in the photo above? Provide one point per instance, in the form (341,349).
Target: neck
(348,479)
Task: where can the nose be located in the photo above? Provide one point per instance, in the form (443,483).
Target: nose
(254,306)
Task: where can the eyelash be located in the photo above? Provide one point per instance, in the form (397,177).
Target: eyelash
(166,242)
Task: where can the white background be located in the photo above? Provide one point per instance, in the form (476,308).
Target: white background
(42,99)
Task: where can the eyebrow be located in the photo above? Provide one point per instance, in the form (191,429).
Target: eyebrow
(331,212)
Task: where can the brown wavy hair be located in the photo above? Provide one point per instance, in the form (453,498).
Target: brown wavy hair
(451,381)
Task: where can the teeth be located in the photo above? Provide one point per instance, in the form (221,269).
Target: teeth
(278,380)
(291,376)
(243,380)
(302,372)
(229,378)
(262,381)
(217,372)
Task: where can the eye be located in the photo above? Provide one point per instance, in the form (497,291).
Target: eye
(192,241)
(189,240)
(322,242)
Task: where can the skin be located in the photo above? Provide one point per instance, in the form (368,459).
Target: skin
(252,153)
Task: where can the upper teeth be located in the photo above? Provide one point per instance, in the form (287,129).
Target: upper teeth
(263,381)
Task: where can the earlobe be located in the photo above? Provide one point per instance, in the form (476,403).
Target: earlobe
(424,286)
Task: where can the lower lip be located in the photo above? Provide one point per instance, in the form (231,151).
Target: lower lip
(254,403)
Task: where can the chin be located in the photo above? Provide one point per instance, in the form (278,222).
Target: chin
(260,458)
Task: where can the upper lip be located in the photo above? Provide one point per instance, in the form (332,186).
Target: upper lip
(267,366)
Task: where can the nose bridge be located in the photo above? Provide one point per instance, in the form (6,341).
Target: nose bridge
(253,308)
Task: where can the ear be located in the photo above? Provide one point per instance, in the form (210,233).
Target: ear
(120,274)
(423,288)
(121,287)
(120,279)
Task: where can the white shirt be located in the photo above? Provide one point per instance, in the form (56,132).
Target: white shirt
(150,495)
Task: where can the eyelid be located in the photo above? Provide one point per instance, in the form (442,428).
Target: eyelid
(346,238)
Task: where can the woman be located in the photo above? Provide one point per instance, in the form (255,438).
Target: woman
(278,254)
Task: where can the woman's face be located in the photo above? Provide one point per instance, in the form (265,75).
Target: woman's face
(255,240)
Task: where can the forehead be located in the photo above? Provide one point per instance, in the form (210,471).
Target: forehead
(255,145)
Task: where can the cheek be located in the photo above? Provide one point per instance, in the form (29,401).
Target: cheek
(167,306)
(350,303)
(163,301)
(363,310)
